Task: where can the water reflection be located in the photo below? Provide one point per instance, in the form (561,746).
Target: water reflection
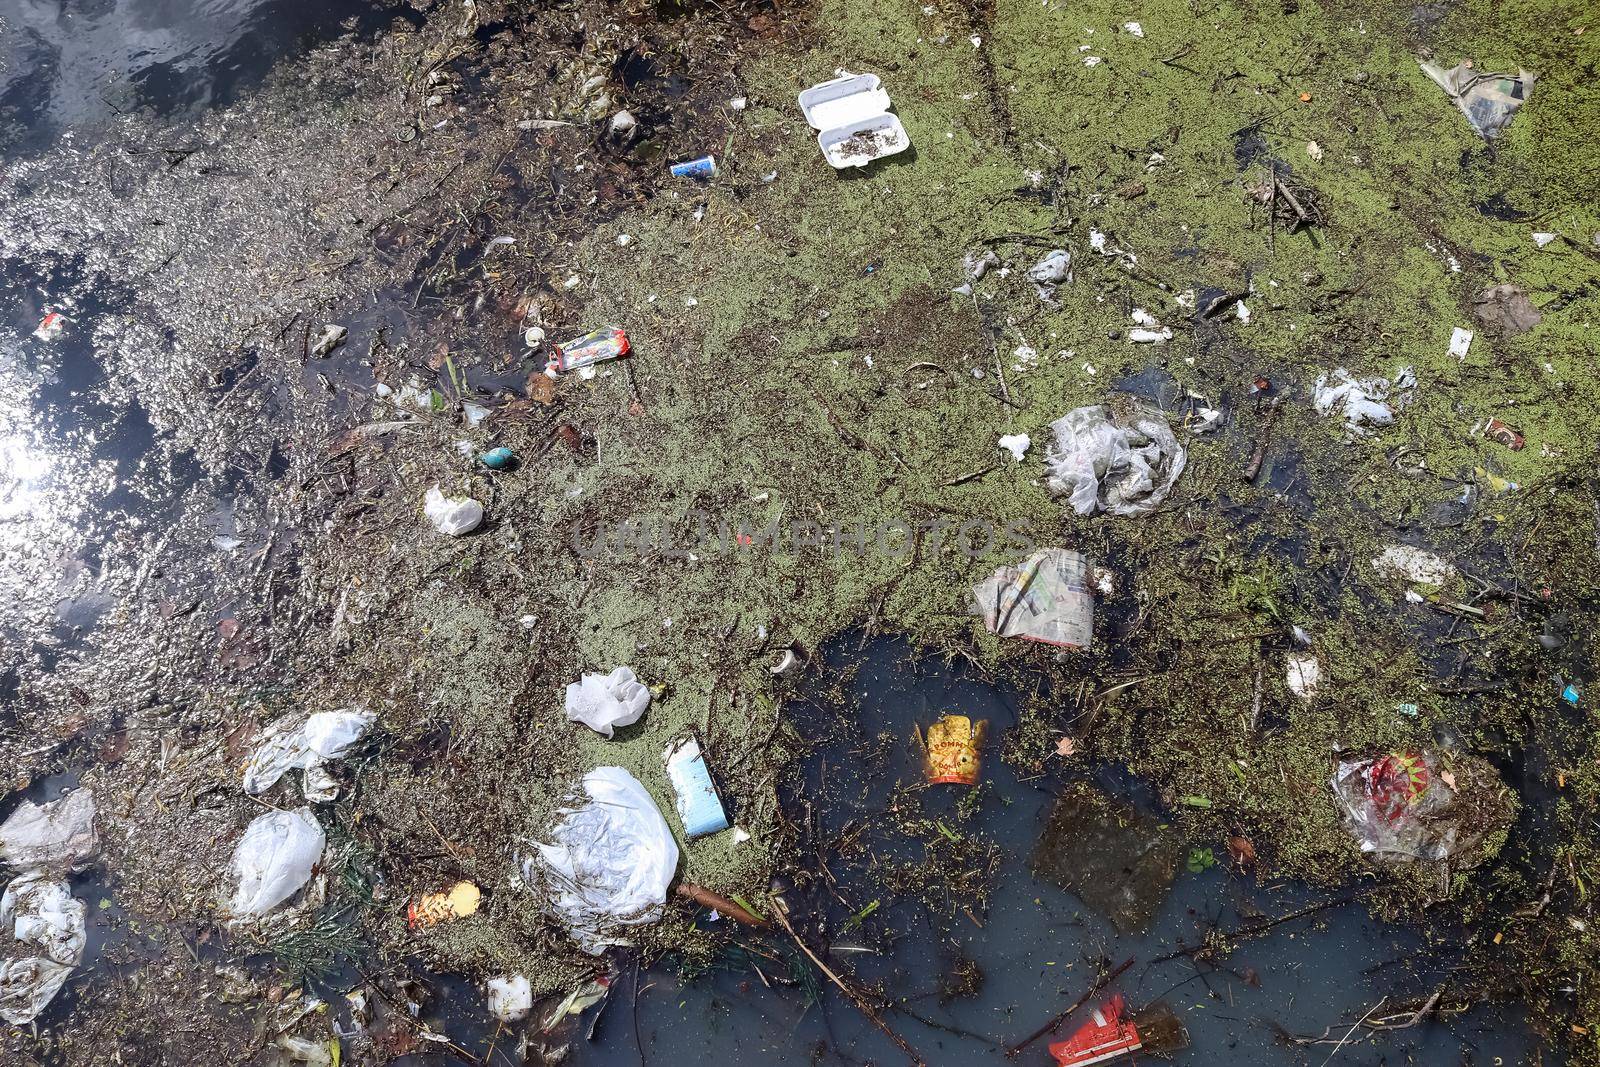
(65,63)
(23,470)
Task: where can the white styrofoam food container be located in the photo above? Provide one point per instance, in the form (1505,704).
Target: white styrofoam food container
(852,119)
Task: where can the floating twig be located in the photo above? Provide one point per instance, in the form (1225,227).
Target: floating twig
(1253,468)
(853,995)
(1055,1024)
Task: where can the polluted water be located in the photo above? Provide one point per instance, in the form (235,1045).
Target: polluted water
(851,533)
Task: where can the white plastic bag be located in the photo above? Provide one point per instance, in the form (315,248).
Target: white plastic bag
(1303,673)
(1125,466)
(1053,270)
(602,702)
(1362,402)
(609,863)
(306,1051)
(59,833)
(41,941)
(453,516)
(304,746)
(274,859)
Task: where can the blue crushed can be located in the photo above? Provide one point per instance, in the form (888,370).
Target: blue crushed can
(704,167)
(699,806)
(498,459)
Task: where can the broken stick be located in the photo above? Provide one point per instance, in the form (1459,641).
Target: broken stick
(1259,457)
(1055,1024)
(720,904)
(852,994)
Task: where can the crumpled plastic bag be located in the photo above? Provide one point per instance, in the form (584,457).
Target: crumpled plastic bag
(1051,271)
(1045,599)
(305,746)
(1115,858)
(609,863)
(1507,309)
(1400,807)
(602,702)
(1488,100)
(577,1002)
(41,942)
(453,516)
(974,265)
(274,859)
(1362,402)
(1125,465)
(305,1050)
(59,833)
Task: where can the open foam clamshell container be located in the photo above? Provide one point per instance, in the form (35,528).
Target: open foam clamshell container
(852,119)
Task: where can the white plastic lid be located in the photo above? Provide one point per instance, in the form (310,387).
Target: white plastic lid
(846,99)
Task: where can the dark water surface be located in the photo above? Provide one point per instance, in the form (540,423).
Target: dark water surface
(1036,947)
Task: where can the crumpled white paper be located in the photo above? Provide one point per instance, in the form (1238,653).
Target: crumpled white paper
(1017,444)
(1362,402)
(453,516)
(602,702)
(1414,565)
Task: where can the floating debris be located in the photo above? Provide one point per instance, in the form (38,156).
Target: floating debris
(1489,101)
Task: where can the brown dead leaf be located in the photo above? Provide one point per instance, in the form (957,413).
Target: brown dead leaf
(393,1039)
(1242,850)
(1066,746)
(115,747)
(346,442)
(509,303)
(541,388)
(237,741)
(1448,779)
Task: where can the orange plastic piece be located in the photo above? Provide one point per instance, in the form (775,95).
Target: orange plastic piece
(1105,1037)
(431,909)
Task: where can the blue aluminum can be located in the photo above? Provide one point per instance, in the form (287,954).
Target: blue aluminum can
(704,167)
